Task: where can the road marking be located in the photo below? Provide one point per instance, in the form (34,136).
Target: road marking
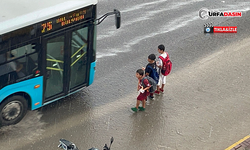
(237,143)
(145,16)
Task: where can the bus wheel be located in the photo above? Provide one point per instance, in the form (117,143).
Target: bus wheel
(12,110)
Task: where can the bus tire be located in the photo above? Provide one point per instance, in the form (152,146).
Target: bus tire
(12,110)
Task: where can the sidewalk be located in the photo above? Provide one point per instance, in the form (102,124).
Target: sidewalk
(243,144)
(211,101)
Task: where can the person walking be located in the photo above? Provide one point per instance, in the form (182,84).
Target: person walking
(165,66)
(151,71)
(143,87)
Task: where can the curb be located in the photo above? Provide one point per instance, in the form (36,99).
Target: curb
(243,144)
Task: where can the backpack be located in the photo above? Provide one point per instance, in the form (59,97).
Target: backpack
(167,65)
(154,74)
(151,82)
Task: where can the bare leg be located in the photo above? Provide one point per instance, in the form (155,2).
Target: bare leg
(158,88)
(144,103)
(162,86)
(137,104)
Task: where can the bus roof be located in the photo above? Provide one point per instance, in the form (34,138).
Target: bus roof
(15,14)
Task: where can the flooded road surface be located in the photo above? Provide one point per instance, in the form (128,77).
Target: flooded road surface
(206,100)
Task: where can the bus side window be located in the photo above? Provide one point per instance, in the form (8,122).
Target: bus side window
(2,77)
(7,71)
(27,61)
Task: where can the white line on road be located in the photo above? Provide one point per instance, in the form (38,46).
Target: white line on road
(171,26)
(145,16)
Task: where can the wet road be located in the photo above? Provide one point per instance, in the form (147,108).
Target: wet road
(206,102)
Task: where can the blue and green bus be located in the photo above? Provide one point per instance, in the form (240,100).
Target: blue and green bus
(47,52)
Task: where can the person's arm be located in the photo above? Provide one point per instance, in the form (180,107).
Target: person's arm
(19,67)
(138,85)
(147,71)
(147,88)
(147,85)
(159,63)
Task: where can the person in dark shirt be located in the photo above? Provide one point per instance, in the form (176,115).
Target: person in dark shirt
(148,70)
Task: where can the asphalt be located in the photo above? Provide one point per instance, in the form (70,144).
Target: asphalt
(205,104)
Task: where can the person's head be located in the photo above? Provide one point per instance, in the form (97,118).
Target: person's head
(139,73)
(161,48)
(151,58)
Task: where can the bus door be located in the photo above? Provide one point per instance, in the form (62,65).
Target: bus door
(78,58)
(66,62)
(55,66)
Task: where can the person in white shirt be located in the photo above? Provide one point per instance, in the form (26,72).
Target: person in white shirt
(159,63)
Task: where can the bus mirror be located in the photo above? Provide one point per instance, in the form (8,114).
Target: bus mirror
(117,18)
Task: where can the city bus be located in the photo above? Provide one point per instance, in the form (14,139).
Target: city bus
(47,52)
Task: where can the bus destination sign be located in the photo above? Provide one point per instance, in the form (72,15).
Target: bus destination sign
(64,20)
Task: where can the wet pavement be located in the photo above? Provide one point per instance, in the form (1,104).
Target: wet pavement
(205,104)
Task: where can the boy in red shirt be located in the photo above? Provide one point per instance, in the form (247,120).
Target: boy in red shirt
(143,87)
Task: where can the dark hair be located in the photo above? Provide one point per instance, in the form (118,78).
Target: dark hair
(140,72)
(151,56)
(161,47)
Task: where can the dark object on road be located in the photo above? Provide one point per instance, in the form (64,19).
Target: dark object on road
(67,145)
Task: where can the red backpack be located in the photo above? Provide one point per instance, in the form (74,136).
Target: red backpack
(167,65)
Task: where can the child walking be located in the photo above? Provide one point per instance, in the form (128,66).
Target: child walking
(162,77)
(151,71)
(143,87)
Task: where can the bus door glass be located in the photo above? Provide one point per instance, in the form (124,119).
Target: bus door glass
(79,64)
(54,66)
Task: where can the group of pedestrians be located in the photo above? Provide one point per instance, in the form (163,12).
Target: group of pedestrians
(153,80)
